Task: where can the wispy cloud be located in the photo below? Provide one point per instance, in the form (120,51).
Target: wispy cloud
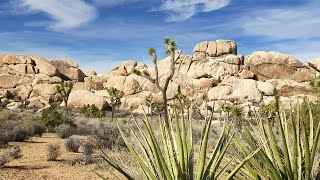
(180,10)
(64,14)
(113,2)
(301,22)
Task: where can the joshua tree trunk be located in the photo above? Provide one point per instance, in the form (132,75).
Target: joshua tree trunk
(112,113)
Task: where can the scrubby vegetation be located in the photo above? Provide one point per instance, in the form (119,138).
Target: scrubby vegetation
(53,117)
(64,131)
(53,152)
(10,155)
(72,144)
(91,111)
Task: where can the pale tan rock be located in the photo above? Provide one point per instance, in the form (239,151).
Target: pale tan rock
(201,47)
(45,67)
(69,70)
(23,68)
(69,63)
(266,88)
(115,81)
(11,81)
(131,103)
(245,74)
(214,66)
(17,59)
(23,91)
(37,102)
(315,64)
(79,98)
(226,47)
(55,80)
(288,87)
(1,60)
(234,89)
(274,65)
(219,92)
(95,82)
(131,86)
(185,64)
(212,49)
(81,86)
(197,56)
(14,105)
(47,91)
(90,73)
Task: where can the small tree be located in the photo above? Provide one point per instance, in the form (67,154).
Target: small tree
(65,89)
(148,101)
(115,98)
(170,50)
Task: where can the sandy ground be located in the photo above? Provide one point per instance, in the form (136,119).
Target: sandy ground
(33,164)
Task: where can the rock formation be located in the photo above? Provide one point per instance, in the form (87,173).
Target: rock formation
(213,73)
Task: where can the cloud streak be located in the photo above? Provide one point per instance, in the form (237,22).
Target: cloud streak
(64,14)
(113,2)
(289,23)
(181,10)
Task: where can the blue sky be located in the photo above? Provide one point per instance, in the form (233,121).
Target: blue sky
(98,34)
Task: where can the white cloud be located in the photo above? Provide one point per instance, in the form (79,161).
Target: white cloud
(66,14)
(180,10)
(290,23)
(113,2)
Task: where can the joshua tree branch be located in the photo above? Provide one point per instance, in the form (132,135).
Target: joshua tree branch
(154,58)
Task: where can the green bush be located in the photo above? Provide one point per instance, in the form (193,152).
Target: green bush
(52,118)
(91,111)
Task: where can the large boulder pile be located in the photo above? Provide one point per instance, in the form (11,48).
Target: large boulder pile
(32,80)
(213,74)
(216,73)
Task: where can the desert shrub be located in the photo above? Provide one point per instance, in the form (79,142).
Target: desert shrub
(52,118)
(108,136)
(15,153)
(84,129)
(8,115)
(91,111)
(64,131)
(10,155)
(20,133)
(53,152)
(88,147)
(72,144)
(5,137)
(83,160)
(37,128)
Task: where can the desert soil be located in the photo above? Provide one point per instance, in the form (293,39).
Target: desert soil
(33,164)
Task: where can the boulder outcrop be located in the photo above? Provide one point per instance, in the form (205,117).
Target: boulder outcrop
(80,98)
(274,65)
(213,73)
(69,70)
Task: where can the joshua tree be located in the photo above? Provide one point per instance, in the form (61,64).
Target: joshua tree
(64,89)
(170,50)
(148,101)
(237,113)
(115,98)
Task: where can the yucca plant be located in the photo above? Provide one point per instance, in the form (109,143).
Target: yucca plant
(288,154)
(172,157)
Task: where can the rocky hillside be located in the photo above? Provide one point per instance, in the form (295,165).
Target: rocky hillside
(214,73)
